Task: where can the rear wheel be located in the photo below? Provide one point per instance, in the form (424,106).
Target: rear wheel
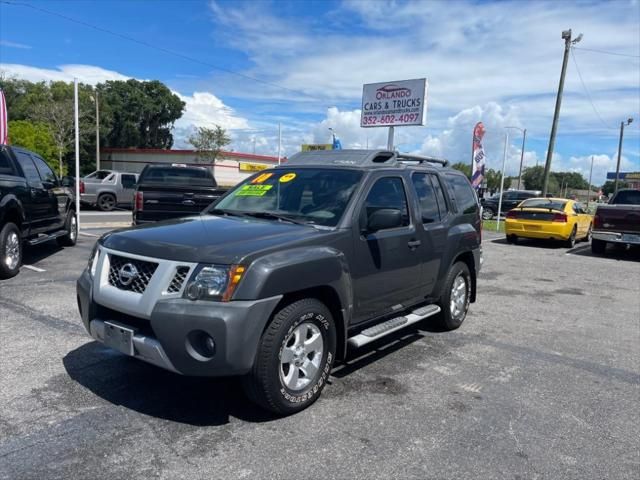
(455,298)
(10,251)
(588,237)
(571,241)
(598,246)
(106,202)
(487,213)
(294,359)
(71,226)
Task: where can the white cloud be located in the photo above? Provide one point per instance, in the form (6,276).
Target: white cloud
(84,73)
(8,44)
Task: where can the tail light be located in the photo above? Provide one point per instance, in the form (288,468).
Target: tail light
(138,205)
(81,186)
(597,221)
(559,217)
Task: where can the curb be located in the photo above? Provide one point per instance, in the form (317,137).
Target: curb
(105,225)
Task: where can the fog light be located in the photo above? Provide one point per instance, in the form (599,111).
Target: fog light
(194,291)
(200,345)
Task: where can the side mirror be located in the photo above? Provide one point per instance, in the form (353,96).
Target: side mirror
(384,219)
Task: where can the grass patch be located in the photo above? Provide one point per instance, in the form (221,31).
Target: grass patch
(490,225)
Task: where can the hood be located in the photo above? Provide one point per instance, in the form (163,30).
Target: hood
(208,239)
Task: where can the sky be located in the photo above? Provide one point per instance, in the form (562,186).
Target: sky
(250,65)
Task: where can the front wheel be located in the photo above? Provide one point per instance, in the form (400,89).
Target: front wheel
(10,251)
(454,302)
(487,213)
(294,358)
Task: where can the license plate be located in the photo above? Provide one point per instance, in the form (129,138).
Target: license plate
(531,227)
(119,337)
(630,238)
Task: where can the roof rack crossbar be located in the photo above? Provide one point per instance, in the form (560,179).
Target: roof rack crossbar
(405,157)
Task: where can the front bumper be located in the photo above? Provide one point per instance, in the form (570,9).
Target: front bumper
(162,339)
(616,237)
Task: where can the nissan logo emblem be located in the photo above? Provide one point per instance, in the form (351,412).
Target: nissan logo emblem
(127,274)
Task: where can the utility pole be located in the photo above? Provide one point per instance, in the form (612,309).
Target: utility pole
(622,125)
(566,35)
(97,133)
(390,139)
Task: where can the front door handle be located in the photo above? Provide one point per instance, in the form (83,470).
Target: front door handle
(414,243)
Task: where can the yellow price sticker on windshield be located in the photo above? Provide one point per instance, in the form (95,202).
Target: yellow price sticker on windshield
(261,178)
(253,190)
(287,177)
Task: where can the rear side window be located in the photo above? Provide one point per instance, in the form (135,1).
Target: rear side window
(5,163)
(46,174)
(29,169)
(388,192)
(128,181)
(463,193)
(427,197)
(178,176)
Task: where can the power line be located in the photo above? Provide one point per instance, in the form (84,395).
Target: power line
(587,91)
(607,53)
(156,47)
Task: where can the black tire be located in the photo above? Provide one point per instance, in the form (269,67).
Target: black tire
(571,241)
(106,202)
(513,239)
(598,246)
(587,238)
(448,318)
(71,226)
(488,213)
(265,384)
(10,251)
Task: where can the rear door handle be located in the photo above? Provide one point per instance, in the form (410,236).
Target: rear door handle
(414,243)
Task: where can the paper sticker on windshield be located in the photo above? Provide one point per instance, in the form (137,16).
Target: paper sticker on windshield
(253,190)
(287,177)
(261,178)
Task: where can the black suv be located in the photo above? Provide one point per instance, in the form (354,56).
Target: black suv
(277,278)
(510,199)
(34,207)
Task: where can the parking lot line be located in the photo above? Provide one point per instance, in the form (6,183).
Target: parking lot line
(35,269)
(88,234)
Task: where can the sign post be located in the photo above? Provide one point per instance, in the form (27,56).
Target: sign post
(394,104)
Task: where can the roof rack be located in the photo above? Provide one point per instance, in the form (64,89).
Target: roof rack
(406,157)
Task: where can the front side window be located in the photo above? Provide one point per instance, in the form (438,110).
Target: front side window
(29,169)
(5,162)
(46,174)
(426,197)
(388,192)
(317,196)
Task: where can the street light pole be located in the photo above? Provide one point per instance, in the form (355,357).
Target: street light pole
(622,125)
(97,133)
(566,35)
(504,161)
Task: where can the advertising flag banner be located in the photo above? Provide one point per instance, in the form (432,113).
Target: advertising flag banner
(4,121)
(477,175)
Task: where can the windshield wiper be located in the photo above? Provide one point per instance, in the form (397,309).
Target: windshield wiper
(275,216)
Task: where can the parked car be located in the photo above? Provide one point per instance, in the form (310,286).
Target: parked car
(510,199)
(549,218)
(107,189)
(34,207)
(166,192)
(277,278)
(618,222)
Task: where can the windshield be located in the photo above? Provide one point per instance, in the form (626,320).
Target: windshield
(317,196)
(178,176)
(543,203)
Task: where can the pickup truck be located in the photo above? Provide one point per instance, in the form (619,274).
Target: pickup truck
(107,189)
(617,222)
(34,207)
(275,280)
(165,192)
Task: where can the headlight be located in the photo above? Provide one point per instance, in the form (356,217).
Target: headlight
(92,265)
(214,282)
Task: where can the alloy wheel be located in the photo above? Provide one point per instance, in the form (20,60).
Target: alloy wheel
(301,356)
(458,297)
(12,251)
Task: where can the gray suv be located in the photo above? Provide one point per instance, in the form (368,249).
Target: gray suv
(280,276)
(107,189)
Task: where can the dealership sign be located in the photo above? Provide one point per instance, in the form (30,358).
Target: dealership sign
(624,176)
(394,104)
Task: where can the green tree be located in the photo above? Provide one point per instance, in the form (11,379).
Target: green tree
(463,167)
(609,187)
(533,178)
(35,137)
(209,141)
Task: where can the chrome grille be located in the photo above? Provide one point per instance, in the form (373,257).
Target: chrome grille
(130,274)
(178,279)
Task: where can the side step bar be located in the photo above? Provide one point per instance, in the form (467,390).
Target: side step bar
(385,328)
(45,238)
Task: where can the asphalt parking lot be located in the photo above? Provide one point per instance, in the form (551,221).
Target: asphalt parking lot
(541,381)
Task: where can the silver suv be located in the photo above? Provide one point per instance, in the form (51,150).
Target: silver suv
(107,189)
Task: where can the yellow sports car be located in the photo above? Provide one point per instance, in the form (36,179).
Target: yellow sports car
(549,218)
